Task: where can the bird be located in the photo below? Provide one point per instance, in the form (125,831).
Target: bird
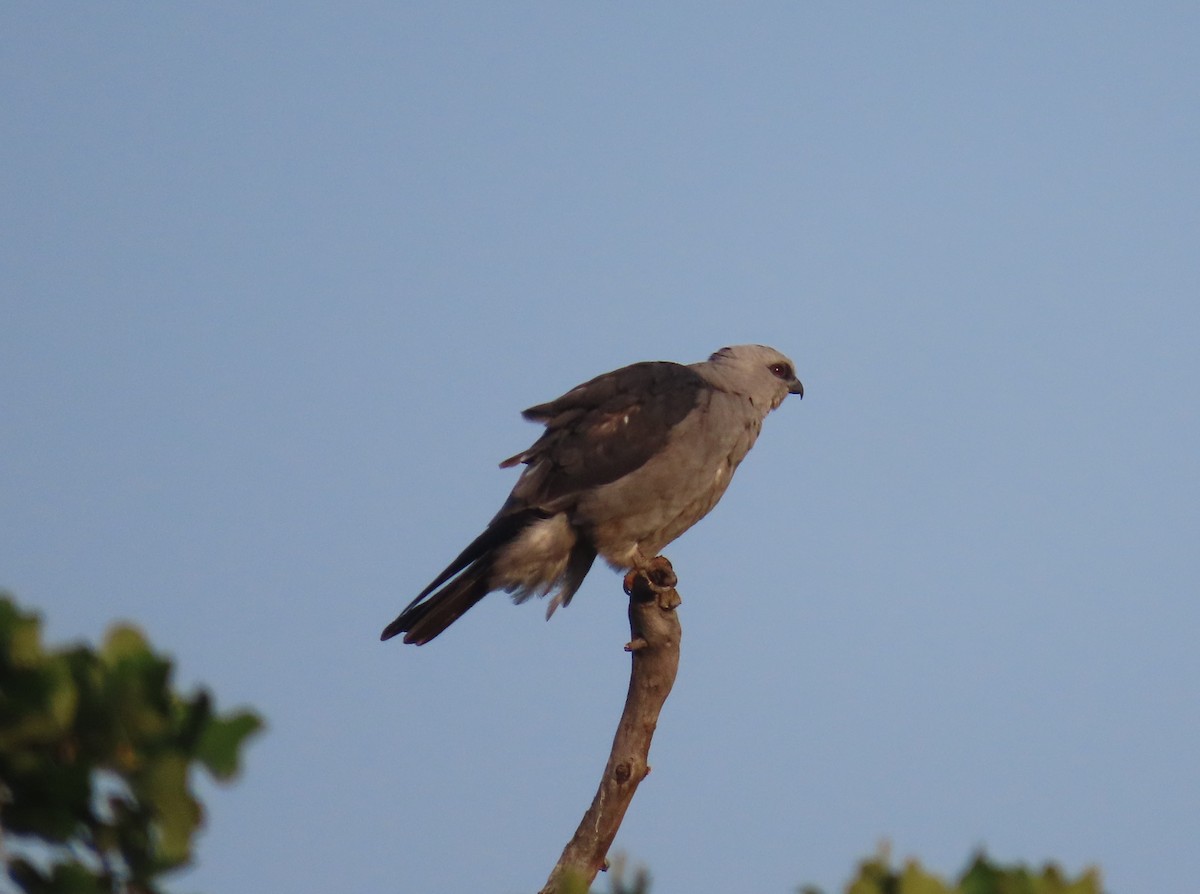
(628,461)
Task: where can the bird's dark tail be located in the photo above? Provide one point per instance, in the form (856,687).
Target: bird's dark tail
(422,621)
(425,618)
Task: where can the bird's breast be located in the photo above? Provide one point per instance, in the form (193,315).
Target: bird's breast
(640,513)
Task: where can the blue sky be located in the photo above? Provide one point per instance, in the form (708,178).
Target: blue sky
(278,281)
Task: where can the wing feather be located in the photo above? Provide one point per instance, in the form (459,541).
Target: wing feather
(604,429)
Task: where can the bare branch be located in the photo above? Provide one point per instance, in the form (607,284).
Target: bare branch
(654,647)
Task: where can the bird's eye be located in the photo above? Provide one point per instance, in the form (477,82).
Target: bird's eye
(781,371)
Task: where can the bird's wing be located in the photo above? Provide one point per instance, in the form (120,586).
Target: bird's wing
(602,430)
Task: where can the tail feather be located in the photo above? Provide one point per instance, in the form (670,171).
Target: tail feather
(428,615)
(422,621)
(474,573)
(503,528)
(578,565)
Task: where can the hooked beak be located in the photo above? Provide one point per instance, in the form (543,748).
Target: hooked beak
(795,386)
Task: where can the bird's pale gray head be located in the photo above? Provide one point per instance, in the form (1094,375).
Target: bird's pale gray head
(760,373)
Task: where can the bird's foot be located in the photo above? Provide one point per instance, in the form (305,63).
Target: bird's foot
(655,580)
(657,572)
(660,573)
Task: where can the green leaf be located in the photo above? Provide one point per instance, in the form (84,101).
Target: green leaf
(220,743)
(75,878)
(46,797)
(136,692)
(163,789)
(122,642)
(63,697)
(915,880)
(20,635)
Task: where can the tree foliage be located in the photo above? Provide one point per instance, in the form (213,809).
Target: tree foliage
(877,876)
(982,876)
(96,751)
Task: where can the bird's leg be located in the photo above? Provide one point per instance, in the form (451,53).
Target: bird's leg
(639,569)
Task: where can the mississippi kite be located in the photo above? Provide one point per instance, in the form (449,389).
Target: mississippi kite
(627,463)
